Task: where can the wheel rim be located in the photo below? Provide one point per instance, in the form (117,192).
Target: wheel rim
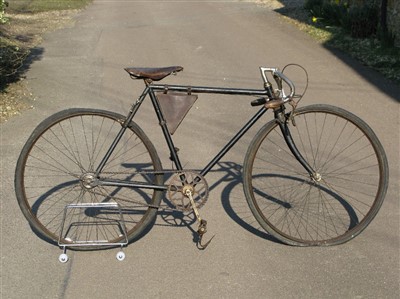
(58,169)
(332,209)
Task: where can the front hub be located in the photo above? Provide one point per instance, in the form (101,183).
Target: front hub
(316,177)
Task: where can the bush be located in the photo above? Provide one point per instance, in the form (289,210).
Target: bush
(329,12)
(387,38)
(334,13)
(314,7)
(363,21)
(359,20)
(11,60)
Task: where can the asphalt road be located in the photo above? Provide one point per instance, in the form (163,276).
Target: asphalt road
(219,43)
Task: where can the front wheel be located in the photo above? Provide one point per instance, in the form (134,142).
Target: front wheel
(331,207)
(59,160)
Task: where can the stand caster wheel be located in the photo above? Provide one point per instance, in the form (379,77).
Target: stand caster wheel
(63,258)
(120,256)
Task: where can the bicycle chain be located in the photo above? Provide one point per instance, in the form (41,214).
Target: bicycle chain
(152,171)
(159,207)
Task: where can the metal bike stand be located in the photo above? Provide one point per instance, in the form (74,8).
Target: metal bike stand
(63,258)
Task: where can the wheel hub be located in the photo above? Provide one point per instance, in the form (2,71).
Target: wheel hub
(316,177)
(88,180)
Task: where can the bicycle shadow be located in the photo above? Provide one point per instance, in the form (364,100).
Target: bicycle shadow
(238,210)
(236,206)
(232,200)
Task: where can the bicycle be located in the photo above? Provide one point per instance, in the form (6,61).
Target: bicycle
(312,176)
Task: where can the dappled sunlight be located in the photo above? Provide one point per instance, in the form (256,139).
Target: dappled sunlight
(369,51)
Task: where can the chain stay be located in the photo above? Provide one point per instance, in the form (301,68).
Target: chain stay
(158,207)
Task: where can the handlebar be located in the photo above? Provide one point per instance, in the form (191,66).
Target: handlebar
(278,76)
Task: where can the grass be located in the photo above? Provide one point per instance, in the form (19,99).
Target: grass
(34,6)
(27,21)
(369,51)
(372,53)
(16,38)
(23,31)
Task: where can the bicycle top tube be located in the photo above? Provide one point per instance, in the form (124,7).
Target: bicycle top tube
(215,90)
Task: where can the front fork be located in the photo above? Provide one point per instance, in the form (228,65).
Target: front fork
(282,120)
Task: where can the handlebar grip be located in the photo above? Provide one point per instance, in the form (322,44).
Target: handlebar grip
(288,81)
(258,102)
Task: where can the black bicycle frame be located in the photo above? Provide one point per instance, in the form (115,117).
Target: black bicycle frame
(149,90)
(210,90)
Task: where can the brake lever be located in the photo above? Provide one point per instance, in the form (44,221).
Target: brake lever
(278,81)
(278,77)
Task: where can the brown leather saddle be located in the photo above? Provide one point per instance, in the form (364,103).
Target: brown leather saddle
(154,74)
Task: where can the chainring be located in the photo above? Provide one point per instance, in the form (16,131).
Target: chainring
(182,182)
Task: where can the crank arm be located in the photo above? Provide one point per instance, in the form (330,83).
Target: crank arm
(202,223)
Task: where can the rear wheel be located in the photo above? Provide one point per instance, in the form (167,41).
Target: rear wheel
(333,206)
(59,161)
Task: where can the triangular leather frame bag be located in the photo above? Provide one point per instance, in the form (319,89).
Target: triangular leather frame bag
(175,106)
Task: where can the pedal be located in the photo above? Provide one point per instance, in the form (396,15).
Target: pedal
(201,231)
(202,223)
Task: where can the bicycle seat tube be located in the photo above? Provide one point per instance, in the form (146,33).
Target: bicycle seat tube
(167,135)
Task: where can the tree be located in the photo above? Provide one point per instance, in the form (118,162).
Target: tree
(383,21)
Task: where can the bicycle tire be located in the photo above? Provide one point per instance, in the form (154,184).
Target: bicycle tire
(68,146)
(299,210)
